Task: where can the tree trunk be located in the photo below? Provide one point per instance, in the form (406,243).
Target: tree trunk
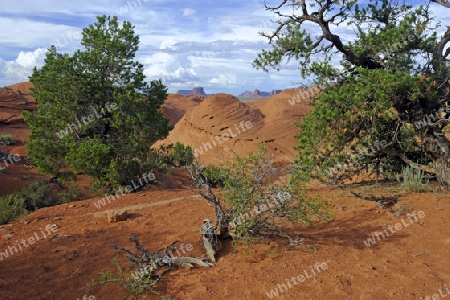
(442,166)
(209,236)
(437,147)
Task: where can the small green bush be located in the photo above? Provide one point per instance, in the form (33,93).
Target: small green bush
(127,279)
(12,207)
(66,176)
(249,206)
(177,155)
(71,193)
(39,194)
(215,176)
(36,196)
(181,155)
(6,140)
(414,180)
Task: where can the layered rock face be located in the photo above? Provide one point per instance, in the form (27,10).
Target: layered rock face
(14,99)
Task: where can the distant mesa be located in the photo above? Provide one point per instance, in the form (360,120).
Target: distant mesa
(197,91)
(275,92)
(258,93)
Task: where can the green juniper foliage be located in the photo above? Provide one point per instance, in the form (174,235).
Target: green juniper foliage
(392,75)
(96,114)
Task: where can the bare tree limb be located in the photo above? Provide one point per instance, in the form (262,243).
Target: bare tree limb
(381,200)
(442,2)
(412,164)
(319,19)
(438,55)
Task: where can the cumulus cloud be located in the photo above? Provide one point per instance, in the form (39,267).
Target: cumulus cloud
(19,69)
(30,59)
(215,51)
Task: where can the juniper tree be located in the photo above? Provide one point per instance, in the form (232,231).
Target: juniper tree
(376,86)
(96,113)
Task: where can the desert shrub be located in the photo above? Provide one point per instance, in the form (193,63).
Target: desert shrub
(127,279)
(249,206)
(6,139)
(37,195)
(215,176)
(177,155)
(414,180)
(159,158)
(66,176)
(19,203)
(181,155)
(12,207)
(66,196)
(57,194)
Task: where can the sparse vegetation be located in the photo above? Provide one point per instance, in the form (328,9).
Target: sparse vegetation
(12,207)
(6,140)
(126,279)
(176,155)
(414,180)
(181,155)
(249,206)
(39,194)
(146,268)
(215,176)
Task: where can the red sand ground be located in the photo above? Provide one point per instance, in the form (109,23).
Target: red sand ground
(411,263)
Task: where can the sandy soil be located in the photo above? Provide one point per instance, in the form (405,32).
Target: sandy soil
(408,263)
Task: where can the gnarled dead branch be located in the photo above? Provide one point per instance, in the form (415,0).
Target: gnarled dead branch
(155,265)
(383,201)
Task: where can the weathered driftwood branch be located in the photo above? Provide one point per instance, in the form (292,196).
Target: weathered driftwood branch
(383,201)
(204,188)
(210,239)
(263,206)
(155,265)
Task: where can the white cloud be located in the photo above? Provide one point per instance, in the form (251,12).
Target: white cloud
(22,67)
(156,64)
(31,59)
(168,43)
(53,6)
(224,79)
(30,34)
(188,12)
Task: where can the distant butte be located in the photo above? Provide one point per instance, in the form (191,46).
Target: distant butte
(197,91)
(258,93)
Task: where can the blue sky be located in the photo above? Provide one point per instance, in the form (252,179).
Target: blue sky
(186,43)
